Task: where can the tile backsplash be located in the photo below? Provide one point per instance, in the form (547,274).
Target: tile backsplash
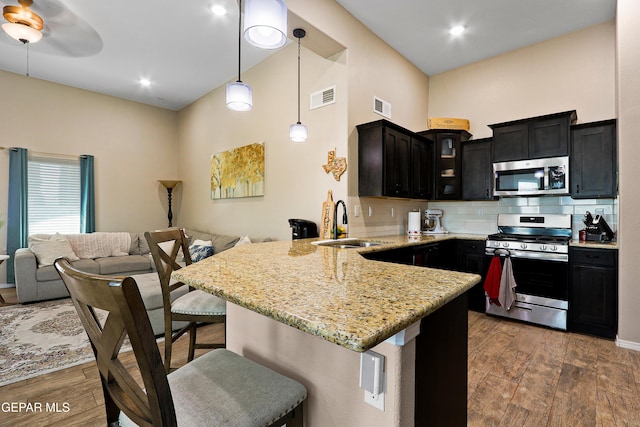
(480,217)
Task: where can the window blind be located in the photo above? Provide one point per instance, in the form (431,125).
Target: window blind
(53,195)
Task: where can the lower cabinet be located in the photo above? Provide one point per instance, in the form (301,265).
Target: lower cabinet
(471,259)
(593,291)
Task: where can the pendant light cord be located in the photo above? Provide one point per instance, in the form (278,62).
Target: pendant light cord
(298,80)
(239,37)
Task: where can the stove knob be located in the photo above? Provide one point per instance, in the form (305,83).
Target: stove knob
(543,247)
(523,245)
(505,244)
(554,248)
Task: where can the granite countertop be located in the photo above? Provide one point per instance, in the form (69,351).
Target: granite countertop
(335,294)
(593,244)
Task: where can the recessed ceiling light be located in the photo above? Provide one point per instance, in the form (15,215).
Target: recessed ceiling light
(456,30)
(144,82)
(218,9)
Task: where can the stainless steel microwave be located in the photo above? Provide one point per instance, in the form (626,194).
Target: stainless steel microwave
(534,177)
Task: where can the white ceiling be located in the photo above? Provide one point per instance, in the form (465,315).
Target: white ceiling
(186,51)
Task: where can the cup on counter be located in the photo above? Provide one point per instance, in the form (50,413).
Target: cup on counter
(582,235)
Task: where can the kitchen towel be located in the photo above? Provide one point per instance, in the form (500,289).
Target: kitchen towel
(492,281)
(507,294)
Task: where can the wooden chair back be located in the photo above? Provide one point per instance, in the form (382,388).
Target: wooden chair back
(126,316)
(165,247)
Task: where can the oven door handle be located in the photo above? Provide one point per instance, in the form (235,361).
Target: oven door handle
(501,252)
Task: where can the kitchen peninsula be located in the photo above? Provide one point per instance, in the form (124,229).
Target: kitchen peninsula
(309,311)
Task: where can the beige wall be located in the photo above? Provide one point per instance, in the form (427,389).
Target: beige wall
(295,183)
(571,72)
(374,69)
(133,144)
(328,371)
(628,91)
(541,79)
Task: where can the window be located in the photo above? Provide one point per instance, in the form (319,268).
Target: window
(53,195)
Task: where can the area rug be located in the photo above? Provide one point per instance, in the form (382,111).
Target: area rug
(39,338)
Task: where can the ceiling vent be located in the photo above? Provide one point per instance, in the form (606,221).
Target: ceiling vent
(381,107)
(323,97)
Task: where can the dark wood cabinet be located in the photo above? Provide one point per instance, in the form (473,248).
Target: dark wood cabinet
(385,164)
(593,291)
(421,169)
(472,259)
(532,138)
(447,162)
(477,172)
(593,167)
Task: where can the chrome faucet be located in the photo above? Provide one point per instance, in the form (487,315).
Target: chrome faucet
(335,217)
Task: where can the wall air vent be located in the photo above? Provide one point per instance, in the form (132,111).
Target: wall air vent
(323,97)
(381,107)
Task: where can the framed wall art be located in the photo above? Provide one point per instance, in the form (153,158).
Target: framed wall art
(238,172)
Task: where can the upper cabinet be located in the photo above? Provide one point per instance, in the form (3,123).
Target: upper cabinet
(393,162)
(447,163)
(477,170)
(533,138)
(593,160)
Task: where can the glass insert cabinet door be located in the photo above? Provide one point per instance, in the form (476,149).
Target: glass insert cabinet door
(447,163)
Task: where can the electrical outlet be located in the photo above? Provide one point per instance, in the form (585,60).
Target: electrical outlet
(370,211)
(393,212)
(376,402)
(356,211)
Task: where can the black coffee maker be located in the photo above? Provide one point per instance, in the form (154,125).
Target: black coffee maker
(302,229)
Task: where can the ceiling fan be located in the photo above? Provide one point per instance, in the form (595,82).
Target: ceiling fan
(24,24)
(63,32)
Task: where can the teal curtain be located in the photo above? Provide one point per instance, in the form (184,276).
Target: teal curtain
(17,226)
(87,195)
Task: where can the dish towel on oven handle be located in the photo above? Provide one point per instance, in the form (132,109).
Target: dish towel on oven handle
(492,281)
(507,293)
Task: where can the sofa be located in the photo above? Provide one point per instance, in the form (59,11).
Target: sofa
(116,254)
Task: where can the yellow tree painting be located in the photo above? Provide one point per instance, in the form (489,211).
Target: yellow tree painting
(238,172)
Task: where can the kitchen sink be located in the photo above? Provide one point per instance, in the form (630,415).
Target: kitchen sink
(348,243)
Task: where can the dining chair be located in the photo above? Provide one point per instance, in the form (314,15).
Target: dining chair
(196,307)
(219,388)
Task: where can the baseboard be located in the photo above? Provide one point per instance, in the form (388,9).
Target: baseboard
(628,344)
(7,285)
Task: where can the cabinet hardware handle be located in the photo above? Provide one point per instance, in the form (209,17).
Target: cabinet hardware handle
(577,188)
(593,256)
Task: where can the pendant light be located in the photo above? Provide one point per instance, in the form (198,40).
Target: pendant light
(265,23)
(239,94)
(298,131)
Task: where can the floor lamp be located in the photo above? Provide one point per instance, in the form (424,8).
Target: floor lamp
(169,185)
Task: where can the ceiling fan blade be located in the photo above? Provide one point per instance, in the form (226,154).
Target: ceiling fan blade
(65,33)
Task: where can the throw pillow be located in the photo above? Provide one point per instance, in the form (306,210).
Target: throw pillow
(244,240)
(200,250)
(48,250)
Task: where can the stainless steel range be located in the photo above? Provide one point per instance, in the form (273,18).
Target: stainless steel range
(538,246)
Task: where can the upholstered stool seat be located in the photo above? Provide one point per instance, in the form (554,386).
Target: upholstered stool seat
(199,303)
(221,388)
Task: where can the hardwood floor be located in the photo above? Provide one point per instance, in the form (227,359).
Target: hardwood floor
(524,375)
(519,375)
